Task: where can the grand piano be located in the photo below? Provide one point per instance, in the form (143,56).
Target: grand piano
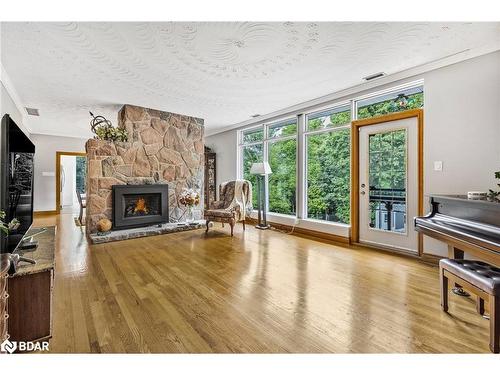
(467,226)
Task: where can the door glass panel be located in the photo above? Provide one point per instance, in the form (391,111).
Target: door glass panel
(387,181)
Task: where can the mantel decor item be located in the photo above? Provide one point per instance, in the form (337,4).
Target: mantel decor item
(261,170)
(189,198)
(104,130)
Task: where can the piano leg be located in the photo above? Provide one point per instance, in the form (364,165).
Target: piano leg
(454,253)
(480,306)
(444,290)
(495,324)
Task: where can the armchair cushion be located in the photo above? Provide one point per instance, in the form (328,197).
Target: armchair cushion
(219,213)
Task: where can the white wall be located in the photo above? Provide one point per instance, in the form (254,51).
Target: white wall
(8,106)
(224,144)
(45,161)
(461,129)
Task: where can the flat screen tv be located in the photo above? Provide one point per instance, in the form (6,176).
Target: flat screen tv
(16,181)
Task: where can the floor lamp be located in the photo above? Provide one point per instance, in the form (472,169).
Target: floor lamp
(261,170)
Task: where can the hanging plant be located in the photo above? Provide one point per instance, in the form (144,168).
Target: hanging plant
(104,130)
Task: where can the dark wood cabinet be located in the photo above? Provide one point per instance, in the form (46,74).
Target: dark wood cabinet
(4,268)
(30,306)
(210,191)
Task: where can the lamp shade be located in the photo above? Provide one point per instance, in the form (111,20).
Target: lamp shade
(261,168)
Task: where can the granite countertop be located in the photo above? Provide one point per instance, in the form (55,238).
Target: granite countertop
(43,254)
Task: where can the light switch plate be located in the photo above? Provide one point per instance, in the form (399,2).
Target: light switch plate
(438,166)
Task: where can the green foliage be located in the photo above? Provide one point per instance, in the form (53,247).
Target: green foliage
(492,194)
(81,172)
(282,183)
(107,132)
(328,161)
(252,154)
(12,225)
(328,174)
(391,105)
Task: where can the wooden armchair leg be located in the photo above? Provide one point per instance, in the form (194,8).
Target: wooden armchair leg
(208,222)
(444,290)
(232,226)
(243,224)
(495,324)
(480,306)
(80,216)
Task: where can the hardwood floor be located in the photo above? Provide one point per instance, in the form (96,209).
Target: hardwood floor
(259,291)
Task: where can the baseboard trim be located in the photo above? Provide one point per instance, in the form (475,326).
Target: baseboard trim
(306,233)
(44,213)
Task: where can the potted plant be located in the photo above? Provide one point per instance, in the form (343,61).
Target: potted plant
(12,225)
(493,195)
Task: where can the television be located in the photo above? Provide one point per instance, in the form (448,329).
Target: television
(16,181)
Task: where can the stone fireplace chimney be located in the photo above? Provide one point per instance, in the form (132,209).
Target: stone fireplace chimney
(163,148)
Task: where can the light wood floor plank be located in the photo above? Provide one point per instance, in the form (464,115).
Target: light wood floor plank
(259,291)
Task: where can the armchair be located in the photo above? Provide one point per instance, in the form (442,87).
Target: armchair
(234,199)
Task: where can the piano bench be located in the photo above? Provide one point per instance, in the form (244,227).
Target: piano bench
(480,278)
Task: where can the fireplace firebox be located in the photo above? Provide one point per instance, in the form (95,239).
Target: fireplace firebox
(139,205)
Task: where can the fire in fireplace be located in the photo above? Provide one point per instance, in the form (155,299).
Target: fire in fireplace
(139,205)
(142,204)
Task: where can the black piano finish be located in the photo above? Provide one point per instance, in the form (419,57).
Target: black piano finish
(463,223)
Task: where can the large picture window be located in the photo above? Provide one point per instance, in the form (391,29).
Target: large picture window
(322,137)
(328,165)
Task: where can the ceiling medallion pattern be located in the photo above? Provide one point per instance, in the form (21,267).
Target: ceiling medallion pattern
(220,71)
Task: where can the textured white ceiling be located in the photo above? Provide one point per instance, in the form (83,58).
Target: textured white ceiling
(222,71)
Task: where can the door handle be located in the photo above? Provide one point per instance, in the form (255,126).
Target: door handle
(363,185)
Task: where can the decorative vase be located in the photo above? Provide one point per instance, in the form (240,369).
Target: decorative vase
(189,215)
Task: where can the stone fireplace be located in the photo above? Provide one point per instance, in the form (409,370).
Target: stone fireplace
(163,149)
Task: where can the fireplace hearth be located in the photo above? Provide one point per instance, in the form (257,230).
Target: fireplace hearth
(137,206)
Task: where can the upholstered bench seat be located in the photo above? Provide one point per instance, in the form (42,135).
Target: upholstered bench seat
(482,275)
(480,278)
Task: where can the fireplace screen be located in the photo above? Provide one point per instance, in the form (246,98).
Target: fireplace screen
(139,205)
(142,204)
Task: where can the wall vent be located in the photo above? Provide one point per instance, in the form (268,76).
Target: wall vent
(374,76)
(254,116)
(32,111)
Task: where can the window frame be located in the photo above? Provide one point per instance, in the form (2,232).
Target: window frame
(301,118)
(305,212)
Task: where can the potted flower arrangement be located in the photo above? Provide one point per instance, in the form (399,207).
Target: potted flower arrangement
(189,198)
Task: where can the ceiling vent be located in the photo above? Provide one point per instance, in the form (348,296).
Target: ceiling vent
(254,116)
(374,76)
(32,111)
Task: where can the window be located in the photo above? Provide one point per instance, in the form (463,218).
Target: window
(252,154)
(282,157)
(282,129)
(328,165)
(282,182)
(389,103)
(81,172)
(323,138)
(329,119)
(253,135)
